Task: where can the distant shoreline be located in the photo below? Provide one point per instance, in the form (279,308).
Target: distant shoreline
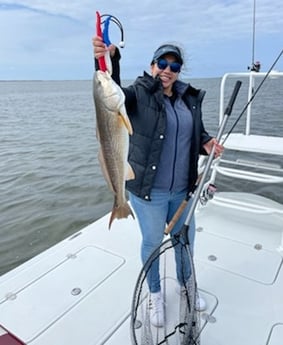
(66,80)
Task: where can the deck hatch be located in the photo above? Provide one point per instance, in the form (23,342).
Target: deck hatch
(56,289)
(276,335)
(239,258)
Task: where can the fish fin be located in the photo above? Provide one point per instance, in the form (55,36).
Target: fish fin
(119,212)
(125,119)
(104,171)
(130,173)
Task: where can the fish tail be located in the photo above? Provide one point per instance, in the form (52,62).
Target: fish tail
(121,211)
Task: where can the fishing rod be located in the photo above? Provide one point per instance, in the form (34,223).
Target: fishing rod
(198,191)
(186,330)
(184,203)
(200,183)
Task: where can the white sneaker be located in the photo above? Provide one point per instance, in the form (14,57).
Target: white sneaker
(156,309)
(200,301)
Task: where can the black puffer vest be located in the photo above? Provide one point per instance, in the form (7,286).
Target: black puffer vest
(146,109)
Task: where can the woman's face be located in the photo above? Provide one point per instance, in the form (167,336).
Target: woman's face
(167,76)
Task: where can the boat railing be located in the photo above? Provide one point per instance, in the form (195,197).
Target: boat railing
(225,201)
(259,169)
(247,175)
(251,76)
(256,158)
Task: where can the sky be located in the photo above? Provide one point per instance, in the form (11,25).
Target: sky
(51,39)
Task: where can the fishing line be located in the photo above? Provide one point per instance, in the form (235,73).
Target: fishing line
(252,98)
(185,201)
(181,322)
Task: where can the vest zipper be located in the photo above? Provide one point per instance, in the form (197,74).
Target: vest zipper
(175,153)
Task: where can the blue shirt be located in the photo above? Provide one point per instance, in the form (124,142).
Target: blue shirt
(173,169)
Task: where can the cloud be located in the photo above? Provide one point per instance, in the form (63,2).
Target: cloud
(51,39)
(41,42)
(77,10)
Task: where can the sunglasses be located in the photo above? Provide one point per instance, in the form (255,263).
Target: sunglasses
(175,67)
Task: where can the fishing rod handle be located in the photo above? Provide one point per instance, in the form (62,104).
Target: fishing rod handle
(233,97)
(176,217)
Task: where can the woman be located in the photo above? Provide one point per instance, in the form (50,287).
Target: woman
(168,136)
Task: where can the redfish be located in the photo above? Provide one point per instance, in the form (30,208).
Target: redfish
(113,128)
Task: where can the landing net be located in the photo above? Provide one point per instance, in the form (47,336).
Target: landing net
(178,287)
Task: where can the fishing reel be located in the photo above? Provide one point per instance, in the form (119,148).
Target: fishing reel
(207,193)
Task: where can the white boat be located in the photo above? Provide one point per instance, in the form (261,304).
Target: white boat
(273,73)
(80,291)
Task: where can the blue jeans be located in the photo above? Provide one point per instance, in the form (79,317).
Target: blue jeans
(152,217)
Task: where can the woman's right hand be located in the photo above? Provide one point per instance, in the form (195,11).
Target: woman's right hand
(100,48)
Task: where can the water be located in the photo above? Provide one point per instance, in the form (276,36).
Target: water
(50,181)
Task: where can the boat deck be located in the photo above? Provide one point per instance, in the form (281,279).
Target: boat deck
(51,297)
(243,254)
(80,291)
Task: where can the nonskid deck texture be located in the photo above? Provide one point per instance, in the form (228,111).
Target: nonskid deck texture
(240,243)
(80,291)
(62,297)
(239,262)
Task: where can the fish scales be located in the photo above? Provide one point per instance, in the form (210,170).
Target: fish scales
(113,128)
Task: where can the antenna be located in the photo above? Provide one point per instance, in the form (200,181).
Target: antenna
(255,66)
(253,43)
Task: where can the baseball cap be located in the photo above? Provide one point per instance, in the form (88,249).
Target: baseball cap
(168,49)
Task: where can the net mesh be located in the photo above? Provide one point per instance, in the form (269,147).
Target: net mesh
(178,287)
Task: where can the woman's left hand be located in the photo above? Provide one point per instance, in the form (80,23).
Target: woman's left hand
(218,147)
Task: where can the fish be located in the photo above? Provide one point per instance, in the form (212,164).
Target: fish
(113,128)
